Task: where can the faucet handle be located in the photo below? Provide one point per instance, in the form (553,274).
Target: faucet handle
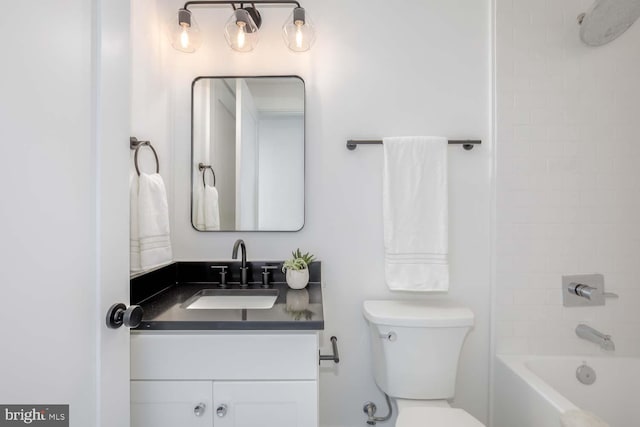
(582,290)
(266,269)
(223,274)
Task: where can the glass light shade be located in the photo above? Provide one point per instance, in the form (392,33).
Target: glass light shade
(298,31)
(185,32)
(241,31)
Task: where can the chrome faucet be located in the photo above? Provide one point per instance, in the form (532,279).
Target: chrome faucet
(590,334)
(243,265)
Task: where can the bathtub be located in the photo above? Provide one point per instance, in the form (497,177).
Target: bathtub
(533,391)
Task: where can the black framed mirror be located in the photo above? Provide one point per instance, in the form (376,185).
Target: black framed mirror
(247,153)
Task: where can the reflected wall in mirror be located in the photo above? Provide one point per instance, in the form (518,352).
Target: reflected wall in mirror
(248,136)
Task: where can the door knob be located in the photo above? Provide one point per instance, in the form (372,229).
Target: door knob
(119,314)
(221,410)
(199,409)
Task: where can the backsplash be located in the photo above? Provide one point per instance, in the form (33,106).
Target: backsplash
(149,284)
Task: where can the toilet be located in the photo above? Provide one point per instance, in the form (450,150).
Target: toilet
(416,346)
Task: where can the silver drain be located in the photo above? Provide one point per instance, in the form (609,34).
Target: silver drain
(585,374)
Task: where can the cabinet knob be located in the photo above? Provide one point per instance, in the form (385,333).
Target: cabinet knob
(221,410)
(199,409)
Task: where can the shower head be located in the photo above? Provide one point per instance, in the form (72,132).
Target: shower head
(606,20)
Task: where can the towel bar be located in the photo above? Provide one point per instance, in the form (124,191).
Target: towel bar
(467,144)
(335,357)
(134,144)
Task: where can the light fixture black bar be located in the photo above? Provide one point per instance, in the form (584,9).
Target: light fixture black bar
(467,144)
(233,3)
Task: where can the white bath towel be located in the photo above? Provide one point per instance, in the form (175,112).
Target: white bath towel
(207,209)
(153,222)
(134,233)
(415,213)
(579,418)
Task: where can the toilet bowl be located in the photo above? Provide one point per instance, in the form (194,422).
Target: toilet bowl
(416,347)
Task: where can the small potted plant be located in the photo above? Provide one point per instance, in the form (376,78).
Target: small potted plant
(297,269)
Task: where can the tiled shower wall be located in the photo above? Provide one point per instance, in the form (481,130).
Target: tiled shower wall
(568,178)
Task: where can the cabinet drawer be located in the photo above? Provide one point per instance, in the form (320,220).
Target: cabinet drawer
(224,356)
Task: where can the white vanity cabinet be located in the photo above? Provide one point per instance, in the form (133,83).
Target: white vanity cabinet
(232,379)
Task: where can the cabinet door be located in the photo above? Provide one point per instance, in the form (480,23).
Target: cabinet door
(171,404)
(265,403)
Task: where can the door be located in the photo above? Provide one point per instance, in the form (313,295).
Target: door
(265,403)
(64,123)
(112,129)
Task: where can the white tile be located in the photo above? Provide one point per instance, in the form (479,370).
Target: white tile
(512,345)
(529,297)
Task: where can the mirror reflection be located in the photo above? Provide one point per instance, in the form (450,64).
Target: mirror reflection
(247,154)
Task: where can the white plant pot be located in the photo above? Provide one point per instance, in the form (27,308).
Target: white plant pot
(297,279)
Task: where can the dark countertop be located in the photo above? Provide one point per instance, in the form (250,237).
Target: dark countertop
(163,308)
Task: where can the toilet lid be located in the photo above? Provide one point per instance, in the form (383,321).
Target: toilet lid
(436,417)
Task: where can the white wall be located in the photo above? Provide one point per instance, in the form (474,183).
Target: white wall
(406,68)
(150,95)
(568,180)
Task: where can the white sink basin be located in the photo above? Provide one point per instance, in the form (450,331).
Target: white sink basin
(232,299)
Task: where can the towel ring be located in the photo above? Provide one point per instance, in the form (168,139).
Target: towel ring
(135,156)
(202,167)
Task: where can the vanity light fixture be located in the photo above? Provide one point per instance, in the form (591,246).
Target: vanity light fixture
(297,31)
(241,30)
(185,36)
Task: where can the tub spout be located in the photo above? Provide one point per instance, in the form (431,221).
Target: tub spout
(590,334)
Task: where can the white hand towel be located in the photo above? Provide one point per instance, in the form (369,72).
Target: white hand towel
(134,233)
(207,212)
(415,213)
(211,211)
(578,418)
(153,222)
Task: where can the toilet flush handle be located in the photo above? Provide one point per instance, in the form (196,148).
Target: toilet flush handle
(391,336)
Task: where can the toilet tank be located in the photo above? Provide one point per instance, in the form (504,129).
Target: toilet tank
(416,346)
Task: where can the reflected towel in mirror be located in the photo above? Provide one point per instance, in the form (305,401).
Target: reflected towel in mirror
(207,209)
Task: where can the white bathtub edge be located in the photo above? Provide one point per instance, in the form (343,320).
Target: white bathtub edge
(517,363)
